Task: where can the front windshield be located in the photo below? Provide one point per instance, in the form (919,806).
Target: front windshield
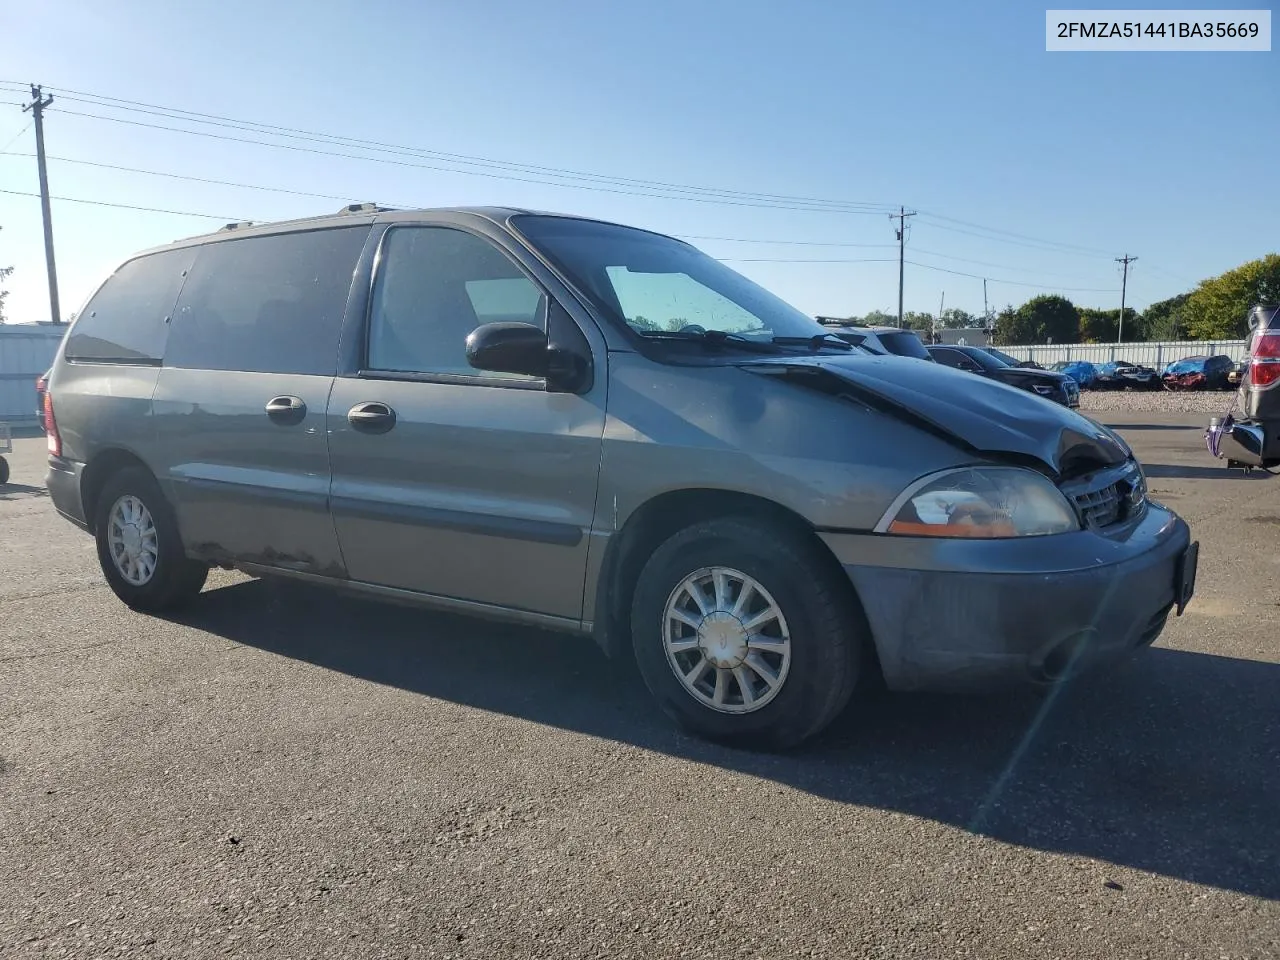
(658,286)
(1004,359)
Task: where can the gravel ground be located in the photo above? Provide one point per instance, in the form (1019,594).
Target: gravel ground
(1161,401)
(282,772)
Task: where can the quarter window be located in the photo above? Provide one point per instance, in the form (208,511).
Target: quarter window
(270,304)
(126,321)
(434,286)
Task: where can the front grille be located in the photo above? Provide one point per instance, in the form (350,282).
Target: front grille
(1099,508)
(1113,503)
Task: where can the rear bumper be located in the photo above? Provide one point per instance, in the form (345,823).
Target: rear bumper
(63,483)
(953,615)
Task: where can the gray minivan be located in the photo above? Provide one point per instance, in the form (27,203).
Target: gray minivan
(597,428)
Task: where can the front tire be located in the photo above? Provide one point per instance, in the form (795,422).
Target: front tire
(139,548)
(745,632)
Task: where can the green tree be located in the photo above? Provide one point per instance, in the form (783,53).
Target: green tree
(1166,319)
(1219,307)
(1013,328)
(878,318)
(1100,326)
(954,317)
(5,273)
(914,320)
(1040,320)
(1054,318)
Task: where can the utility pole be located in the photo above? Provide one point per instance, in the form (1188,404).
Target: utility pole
(934,337)
(901,217)
(36,106)
(1124,284)
(986,311)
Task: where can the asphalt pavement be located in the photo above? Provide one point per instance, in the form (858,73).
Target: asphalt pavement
(285,772)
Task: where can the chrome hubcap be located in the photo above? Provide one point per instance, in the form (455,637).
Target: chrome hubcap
(726,640)
(132,540)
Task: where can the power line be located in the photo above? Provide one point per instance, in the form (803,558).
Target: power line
(208,180)
(338,139)
(598,182)
(14,139)
(1095,251)
(472,173)
(786,260)
(1044,247)
(126,206)
(403,203)
(797,243)
(595,181)
(1013,283)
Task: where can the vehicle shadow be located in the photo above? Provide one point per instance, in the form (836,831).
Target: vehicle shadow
(1170,763)
(1177,471)
(9,490)
(1156,426)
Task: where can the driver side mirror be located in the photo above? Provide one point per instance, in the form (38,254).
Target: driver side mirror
(522,348)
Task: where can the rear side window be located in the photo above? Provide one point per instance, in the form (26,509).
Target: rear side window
(127,319)
(267,304)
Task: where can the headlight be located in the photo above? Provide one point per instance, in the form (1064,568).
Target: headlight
(980,502)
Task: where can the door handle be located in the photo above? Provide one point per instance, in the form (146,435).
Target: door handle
(371,417)
(286,411)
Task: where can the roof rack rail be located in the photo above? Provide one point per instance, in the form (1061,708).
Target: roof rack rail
(363,208)
(238,225)
(836,321)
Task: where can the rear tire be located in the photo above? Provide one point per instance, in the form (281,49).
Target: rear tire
(4,471)
(790,697)
(139,548)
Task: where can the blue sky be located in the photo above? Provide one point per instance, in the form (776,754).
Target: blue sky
(952,109)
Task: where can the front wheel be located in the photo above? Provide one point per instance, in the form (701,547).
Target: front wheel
(745,632)
(139,548)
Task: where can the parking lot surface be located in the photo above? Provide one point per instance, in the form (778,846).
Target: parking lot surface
(285,772)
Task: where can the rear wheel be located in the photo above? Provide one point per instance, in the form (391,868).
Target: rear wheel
(744,632)
(4,471)
(139,548)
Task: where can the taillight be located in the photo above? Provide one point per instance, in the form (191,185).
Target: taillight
(1266,345)
(51,427)
(1264,374)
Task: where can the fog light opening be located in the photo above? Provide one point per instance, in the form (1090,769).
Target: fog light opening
(1061,660)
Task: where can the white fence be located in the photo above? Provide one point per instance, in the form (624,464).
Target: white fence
(1155,355)
(26,351)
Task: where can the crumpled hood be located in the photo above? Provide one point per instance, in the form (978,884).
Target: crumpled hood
(983,415)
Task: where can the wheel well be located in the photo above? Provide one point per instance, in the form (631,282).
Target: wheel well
(657,520)
(95,476)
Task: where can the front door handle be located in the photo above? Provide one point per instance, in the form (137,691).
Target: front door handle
(286,411)
(371,417)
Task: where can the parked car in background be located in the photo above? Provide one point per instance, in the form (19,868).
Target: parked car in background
(1011,360)
(1053,386)
(881,340)
(1122,375)
(598,429)
(1253,439)
(1082,372)
(1237,373)
(1199,373)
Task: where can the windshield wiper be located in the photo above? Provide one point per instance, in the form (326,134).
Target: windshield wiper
(737,340)
(714,337)
(816,342)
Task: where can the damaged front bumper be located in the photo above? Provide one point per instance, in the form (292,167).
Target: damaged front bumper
(967,615)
